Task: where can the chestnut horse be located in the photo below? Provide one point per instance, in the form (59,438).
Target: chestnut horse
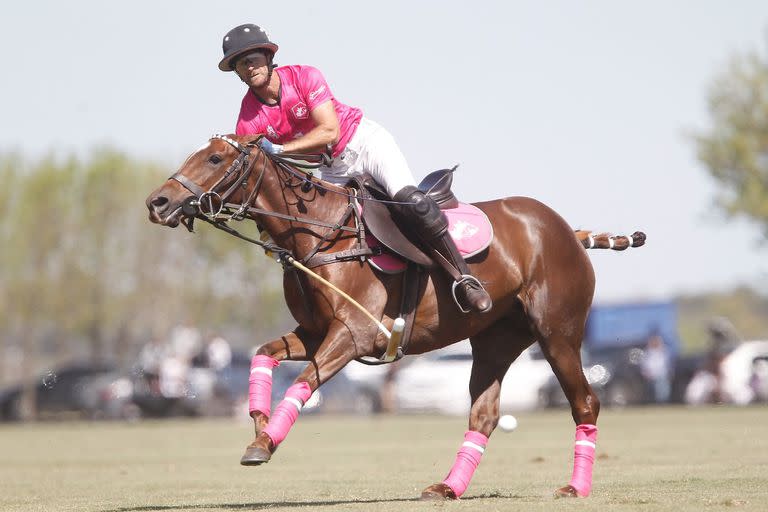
(536,271)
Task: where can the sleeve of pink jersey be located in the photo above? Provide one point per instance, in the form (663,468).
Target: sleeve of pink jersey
(314,88)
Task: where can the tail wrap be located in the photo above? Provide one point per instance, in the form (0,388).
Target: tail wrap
(609,241)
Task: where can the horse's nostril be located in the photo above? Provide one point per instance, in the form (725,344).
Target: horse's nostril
(159,203)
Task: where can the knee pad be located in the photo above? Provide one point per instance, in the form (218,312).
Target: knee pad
(430,222)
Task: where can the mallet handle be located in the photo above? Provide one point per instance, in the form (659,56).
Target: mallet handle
(367,313)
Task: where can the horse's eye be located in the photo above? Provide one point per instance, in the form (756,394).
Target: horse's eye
(214,159)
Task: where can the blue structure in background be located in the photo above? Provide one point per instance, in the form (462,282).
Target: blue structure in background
(632,324)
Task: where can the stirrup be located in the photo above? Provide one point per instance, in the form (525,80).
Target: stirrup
(464,279)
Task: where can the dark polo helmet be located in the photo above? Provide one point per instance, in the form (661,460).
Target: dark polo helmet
(243,39)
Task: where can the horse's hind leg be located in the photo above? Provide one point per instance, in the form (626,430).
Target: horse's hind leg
(493,351)
(563,353)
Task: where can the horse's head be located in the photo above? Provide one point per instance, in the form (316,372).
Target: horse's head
(206,179)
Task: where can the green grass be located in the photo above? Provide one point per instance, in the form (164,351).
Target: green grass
(649,459)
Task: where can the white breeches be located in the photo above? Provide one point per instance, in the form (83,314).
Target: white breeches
(373,150)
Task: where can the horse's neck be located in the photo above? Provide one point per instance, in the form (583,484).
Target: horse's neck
(298,237)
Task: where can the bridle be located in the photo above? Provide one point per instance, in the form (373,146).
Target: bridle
(211,203)
(300,165)
(213,207)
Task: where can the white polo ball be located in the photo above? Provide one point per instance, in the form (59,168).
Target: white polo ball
(507,423)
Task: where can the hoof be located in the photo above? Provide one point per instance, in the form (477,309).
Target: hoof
(438,492)
(258,452)
(255,456)
(568,491)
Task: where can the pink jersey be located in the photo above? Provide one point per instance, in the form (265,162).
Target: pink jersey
(302,89)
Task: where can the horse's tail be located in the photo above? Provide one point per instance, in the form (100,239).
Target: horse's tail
(609,241)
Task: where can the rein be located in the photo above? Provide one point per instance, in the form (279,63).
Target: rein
(211,204)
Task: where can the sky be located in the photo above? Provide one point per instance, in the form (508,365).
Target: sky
(586,106)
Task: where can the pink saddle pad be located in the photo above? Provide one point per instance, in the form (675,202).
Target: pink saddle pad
(469,228)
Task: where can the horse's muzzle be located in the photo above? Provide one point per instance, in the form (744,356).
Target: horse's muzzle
(161,212)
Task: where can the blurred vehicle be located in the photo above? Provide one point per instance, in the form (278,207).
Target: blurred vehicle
(630,325)
(759,380)
(374,385)
(740,377)
(57,392)
(614,374)
(738,369)
(439,381)
(109,396)
(341,394)
(203,391)
(225,392)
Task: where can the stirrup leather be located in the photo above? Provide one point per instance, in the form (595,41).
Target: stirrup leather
(464,278)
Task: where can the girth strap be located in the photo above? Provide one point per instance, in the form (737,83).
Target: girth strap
(358,253)
(409,300)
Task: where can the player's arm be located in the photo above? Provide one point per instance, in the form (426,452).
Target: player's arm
(326,131)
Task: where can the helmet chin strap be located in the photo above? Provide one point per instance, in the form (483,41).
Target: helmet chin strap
(271,66)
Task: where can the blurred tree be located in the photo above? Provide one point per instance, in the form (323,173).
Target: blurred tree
(84,273)
(735,149)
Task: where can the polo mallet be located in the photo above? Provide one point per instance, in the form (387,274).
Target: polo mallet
(398,326)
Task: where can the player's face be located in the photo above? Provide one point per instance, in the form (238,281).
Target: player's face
(253,69)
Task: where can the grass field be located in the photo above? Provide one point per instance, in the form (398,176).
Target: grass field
(649,459)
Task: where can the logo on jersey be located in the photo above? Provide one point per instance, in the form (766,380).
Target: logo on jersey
(315,94)
(300,111)
(271,133)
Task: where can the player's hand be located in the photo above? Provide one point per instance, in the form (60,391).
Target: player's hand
(269,147)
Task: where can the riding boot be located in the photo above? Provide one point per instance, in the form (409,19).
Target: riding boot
(430,225)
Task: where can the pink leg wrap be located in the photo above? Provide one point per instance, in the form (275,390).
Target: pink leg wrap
(260,384)
(584,458)
(466,462)
(287,411)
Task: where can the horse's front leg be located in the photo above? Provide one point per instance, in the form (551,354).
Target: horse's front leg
(297,345)
(330,357)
